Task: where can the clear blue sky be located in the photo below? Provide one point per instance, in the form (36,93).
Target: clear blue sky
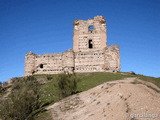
(46,26)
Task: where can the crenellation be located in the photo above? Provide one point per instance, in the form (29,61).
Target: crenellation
(90,52)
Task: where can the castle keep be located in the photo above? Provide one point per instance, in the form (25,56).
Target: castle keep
(90,52)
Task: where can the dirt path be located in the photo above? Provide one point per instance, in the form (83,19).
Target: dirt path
(128,99)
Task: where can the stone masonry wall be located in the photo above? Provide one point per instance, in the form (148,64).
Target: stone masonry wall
(105,60)
(90,52)
(89,61)
(54,63)
(91,29)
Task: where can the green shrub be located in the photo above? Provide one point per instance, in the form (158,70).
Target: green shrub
(0,86)
(133,73)
(22,101)
(49,77)
(66,84)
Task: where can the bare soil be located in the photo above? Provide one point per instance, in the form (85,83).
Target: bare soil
(127,99)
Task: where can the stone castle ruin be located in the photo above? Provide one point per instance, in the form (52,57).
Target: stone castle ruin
(90,52)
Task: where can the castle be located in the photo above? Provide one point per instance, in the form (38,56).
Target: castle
(90,52)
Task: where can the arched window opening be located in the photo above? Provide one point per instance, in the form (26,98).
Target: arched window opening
(91,27)
(41,66)
(90,44)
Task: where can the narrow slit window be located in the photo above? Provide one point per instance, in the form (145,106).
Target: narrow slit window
(90,44)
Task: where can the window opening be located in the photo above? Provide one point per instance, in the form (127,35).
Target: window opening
(90,44)
(91,27)
(41,65)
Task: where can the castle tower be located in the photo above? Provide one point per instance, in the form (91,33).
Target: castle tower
(68,61)
(29,63)
(89,34)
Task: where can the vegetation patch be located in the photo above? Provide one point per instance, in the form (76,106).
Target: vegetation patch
(158,91)
(136,82)
(22,101)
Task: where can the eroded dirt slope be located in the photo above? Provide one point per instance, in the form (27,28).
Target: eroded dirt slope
(128,99)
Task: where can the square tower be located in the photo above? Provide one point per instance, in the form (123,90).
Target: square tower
(89,34)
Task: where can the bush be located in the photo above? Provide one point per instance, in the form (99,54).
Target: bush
(23,100)
(1,86)
(133,73)
(67,84)
(49,77)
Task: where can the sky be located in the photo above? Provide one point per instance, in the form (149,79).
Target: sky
(46,26)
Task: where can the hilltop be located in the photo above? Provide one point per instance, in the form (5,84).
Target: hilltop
(99,95)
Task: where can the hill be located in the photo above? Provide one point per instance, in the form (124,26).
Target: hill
(129,98)
(46,93)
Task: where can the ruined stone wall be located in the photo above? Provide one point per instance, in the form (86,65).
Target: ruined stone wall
(90,52)
(111,58)
(54,63)
(48,63)
(89,61)
(29,63)
(93,30)
(106,60)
